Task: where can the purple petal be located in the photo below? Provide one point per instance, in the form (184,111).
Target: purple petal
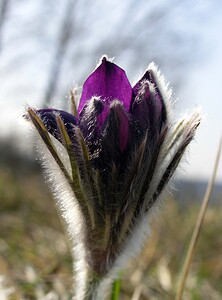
(141,108)
(109,82)
(148,107)
(159,102)
(117,131)
(123,128)
(114,138)
(48,117)
(137,86)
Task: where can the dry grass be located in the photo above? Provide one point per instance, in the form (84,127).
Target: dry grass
(35,258)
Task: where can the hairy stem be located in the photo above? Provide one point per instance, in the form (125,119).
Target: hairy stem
(92,286)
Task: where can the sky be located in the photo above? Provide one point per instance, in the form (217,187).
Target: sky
(203,88)
(200,87)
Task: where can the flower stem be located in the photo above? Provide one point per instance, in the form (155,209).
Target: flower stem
(91,289)
(92,286)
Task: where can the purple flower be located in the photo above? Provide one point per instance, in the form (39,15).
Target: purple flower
(121,149)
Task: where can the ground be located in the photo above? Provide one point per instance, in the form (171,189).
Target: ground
(35,258)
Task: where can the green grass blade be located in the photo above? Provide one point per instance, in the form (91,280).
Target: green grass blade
(116,288)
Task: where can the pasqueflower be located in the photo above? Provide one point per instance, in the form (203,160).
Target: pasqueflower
(109,161)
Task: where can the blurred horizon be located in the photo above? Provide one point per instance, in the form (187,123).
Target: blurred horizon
(47,48)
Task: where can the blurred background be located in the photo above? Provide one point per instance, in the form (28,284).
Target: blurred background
(47,48)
